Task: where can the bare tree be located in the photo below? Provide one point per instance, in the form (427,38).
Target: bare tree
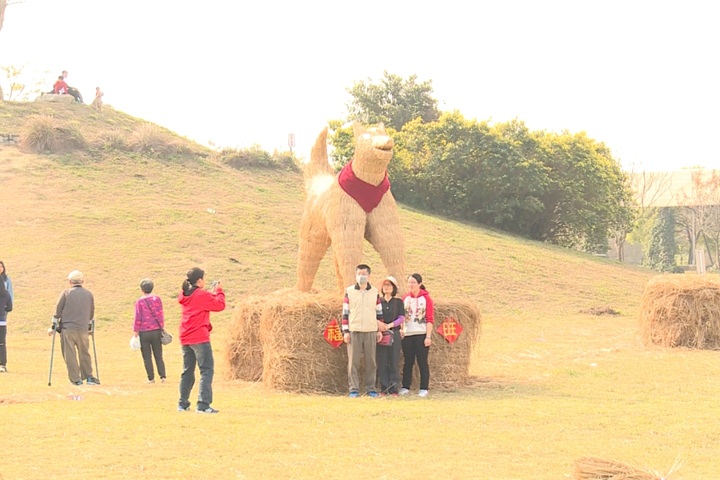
(700,203)
(651,190)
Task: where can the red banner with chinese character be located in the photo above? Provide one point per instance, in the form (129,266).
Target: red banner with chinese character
(333,335)
(450,329)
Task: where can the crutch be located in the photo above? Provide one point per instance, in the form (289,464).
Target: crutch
(54,327)
(92,333)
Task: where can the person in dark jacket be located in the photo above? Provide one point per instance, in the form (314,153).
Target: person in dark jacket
(388,348)
(5,307)
(195,328)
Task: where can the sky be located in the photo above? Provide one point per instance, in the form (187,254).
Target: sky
(641,77)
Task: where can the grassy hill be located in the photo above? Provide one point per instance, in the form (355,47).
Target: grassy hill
(553,383)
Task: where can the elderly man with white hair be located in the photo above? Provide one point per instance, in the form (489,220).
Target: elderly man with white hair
(74,313)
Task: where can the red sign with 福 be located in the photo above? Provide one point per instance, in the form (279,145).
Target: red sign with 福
(333,335)
(450,329)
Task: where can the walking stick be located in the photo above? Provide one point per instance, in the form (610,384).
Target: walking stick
(52,351)
(92,332)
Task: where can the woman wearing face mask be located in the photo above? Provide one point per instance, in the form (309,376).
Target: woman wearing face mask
(419,318)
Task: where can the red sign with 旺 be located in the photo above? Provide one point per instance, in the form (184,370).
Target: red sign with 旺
(450,329)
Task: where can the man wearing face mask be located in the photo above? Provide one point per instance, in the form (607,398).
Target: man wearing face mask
(362,311)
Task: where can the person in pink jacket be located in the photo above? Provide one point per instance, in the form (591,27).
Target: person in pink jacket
(195,328)
(419,319)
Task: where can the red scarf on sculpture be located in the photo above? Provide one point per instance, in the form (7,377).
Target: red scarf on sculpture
(368,196)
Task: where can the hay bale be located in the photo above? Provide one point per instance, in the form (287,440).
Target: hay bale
(244,354)
(681,311)
(278,338)
(450,362)
(592,468)
(297,357)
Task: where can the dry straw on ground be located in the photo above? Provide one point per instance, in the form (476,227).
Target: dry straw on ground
(681,311)
(279,339)
(591,468)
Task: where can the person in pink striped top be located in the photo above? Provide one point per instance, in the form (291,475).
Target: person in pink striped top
(149,324)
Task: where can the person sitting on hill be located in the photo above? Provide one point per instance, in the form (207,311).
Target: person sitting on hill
(60,87)
(72,90)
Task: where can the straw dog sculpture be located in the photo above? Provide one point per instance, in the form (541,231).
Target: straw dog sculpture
(341,210)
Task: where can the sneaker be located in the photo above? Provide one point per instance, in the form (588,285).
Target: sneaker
(207,410)
(151,381)
(404,391)
(92,381)
(162,379)
(183,409)
(423,393)
(354,394)
(79,382)
(373,394)
(3,368)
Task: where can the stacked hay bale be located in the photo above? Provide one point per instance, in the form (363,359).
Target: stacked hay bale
(681,311)
(278,339)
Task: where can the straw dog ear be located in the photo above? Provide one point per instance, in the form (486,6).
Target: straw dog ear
(358,129)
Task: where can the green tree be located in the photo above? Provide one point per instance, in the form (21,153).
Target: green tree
(661,251)
(393,101)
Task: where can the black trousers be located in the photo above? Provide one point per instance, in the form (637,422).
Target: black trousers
(388,364)
(76,94)
(150,346)
(414,348)
(3,347)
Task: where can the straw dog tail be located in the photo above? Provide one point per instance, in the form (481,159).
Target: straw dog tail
(318,157)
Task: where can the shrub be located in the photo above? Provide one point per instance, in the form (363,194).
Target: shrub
(257,158)
(39,134)
(150,139)
(113,140)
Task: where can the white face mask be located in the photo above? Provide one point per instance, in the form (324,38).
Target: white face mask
(361,279)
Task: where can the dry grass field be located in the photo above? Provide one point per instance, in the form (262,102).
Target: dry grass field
(551,383)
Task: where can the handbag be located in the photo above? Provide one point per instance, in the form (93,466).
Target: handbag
(134,343)
(165,337)
(387,339)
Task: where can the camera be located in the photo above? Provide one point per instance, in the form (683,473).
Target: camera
(56,325)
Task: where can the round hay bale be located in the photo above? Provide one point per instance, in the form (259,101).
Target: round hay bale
(681,311)
(279,338)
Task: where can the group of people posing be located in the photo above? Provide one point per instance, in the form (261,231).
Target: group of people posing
(377,325)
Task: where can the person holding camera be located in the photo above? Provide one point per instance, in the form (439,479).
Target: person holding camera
(149,325)
(73,319)
(195,328)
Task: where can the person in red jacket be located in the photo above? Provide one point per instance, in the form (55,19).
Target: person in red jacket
(195,328)
(60,87)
